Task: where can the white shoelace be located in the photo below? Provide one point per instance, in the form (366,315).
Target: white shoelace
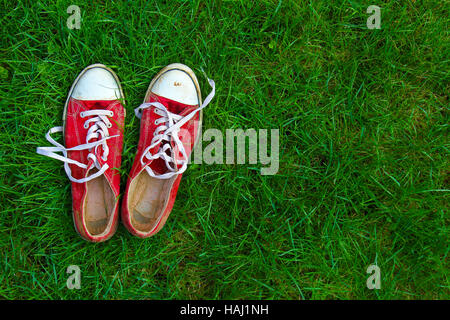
(168,130)
(98,130)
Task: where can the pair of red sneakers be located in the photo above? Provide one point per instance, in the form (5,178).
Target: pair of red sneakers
(171,118)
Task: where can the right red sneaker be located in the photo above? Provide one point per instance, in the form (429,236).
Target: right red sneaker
(171,118)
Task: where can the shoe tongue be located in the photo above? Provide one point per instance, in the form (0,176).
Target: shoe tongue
(98,155)
(90,166)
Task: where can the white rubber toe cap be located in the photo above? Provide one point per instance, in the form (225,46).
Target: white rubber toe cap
(177,85)
(97,84)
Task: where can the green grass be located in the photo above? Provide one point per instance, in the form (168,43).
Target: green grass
(364,150)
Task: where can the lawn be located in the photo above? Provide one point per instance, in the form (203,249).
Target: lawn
(364,150)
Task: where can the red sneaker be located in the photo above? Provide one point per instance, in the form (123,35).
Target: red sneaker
(171,118)
(93,132)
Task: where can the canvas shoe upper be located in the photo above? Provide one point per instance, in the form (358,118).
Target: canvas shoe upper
(171,117)
(93,134)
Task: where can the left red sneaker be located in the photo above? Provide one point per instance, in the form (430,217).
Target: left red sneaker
(93,131)
(171,118)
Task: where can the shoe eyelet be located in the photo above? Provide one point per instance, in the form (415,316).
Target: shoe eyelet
(85,126)
(82,114)
(156,122)
(111,113)
(109,125)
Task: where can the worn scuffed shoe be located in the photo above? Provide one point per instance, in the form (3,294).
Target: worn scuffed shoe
(93,134)
(171,118)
